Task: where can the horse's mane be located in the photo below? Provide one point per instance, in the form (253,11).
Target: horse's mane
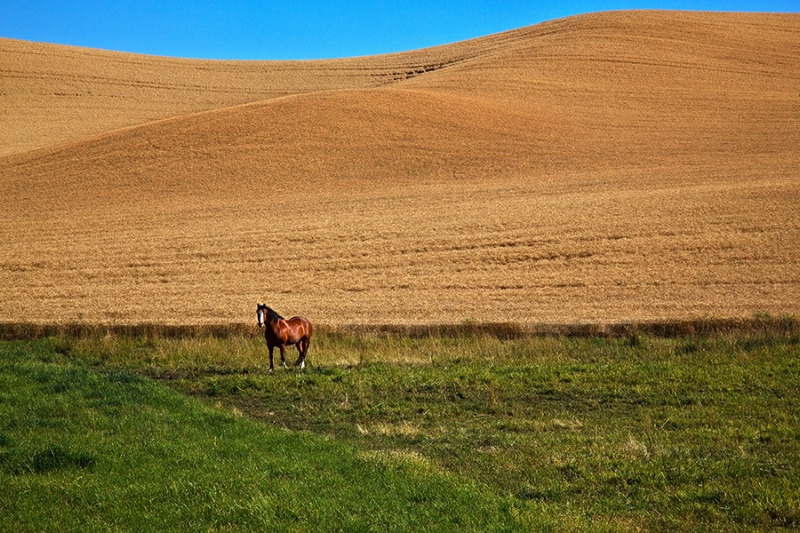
(272,315)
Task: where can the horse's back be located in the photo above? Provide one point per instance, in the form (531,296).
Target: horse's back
(303,322)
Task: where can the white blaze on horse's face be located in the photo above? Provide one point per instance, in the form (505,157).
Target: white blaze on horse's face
(260,317)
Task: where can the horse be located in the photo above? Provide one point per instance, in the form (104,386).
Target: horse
(281,333)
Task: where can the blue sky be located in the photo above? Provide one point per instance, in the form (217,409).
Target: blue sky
(249,29)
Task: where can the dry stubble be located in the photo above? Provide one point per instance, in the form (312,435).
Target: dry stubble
(625,166)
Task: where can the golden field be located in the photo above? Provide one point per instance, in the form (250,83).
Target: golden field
(623,166)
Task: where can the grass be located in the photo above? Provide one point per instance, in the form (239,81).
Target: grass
(602,434)
(88,450)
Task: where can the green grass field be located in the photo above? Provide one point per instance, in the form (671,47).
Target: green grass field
(386,432)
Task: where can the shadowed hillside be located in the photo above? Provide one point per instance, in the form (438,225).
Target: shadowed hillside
(608,167)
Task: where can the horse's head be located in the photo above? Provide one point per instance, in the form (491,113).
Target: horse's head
(261,311)
(266,315)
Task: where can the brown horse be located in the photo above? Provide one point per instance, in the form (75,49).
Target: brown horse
(281,333)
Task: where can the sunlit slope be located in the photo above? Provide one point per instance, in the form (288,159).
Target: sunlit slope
(649,85)
(332,144)
(52,93)
(619,166)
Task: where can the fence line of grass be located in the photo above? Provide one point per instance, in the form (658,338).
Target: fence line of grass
(760,324)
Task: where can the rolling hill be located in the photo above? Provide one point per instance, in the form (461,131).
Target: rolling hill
(601,168)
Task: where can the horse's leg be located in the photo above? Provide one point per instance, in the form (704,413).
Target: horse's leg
(283,354)
(270,356)
(302,347)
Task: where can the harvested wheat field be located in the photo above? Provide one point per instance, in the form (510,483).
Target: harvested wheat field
(623,166)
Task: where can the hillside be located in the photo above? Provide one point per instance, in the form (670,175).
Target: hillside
(607,167)
(52,93)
